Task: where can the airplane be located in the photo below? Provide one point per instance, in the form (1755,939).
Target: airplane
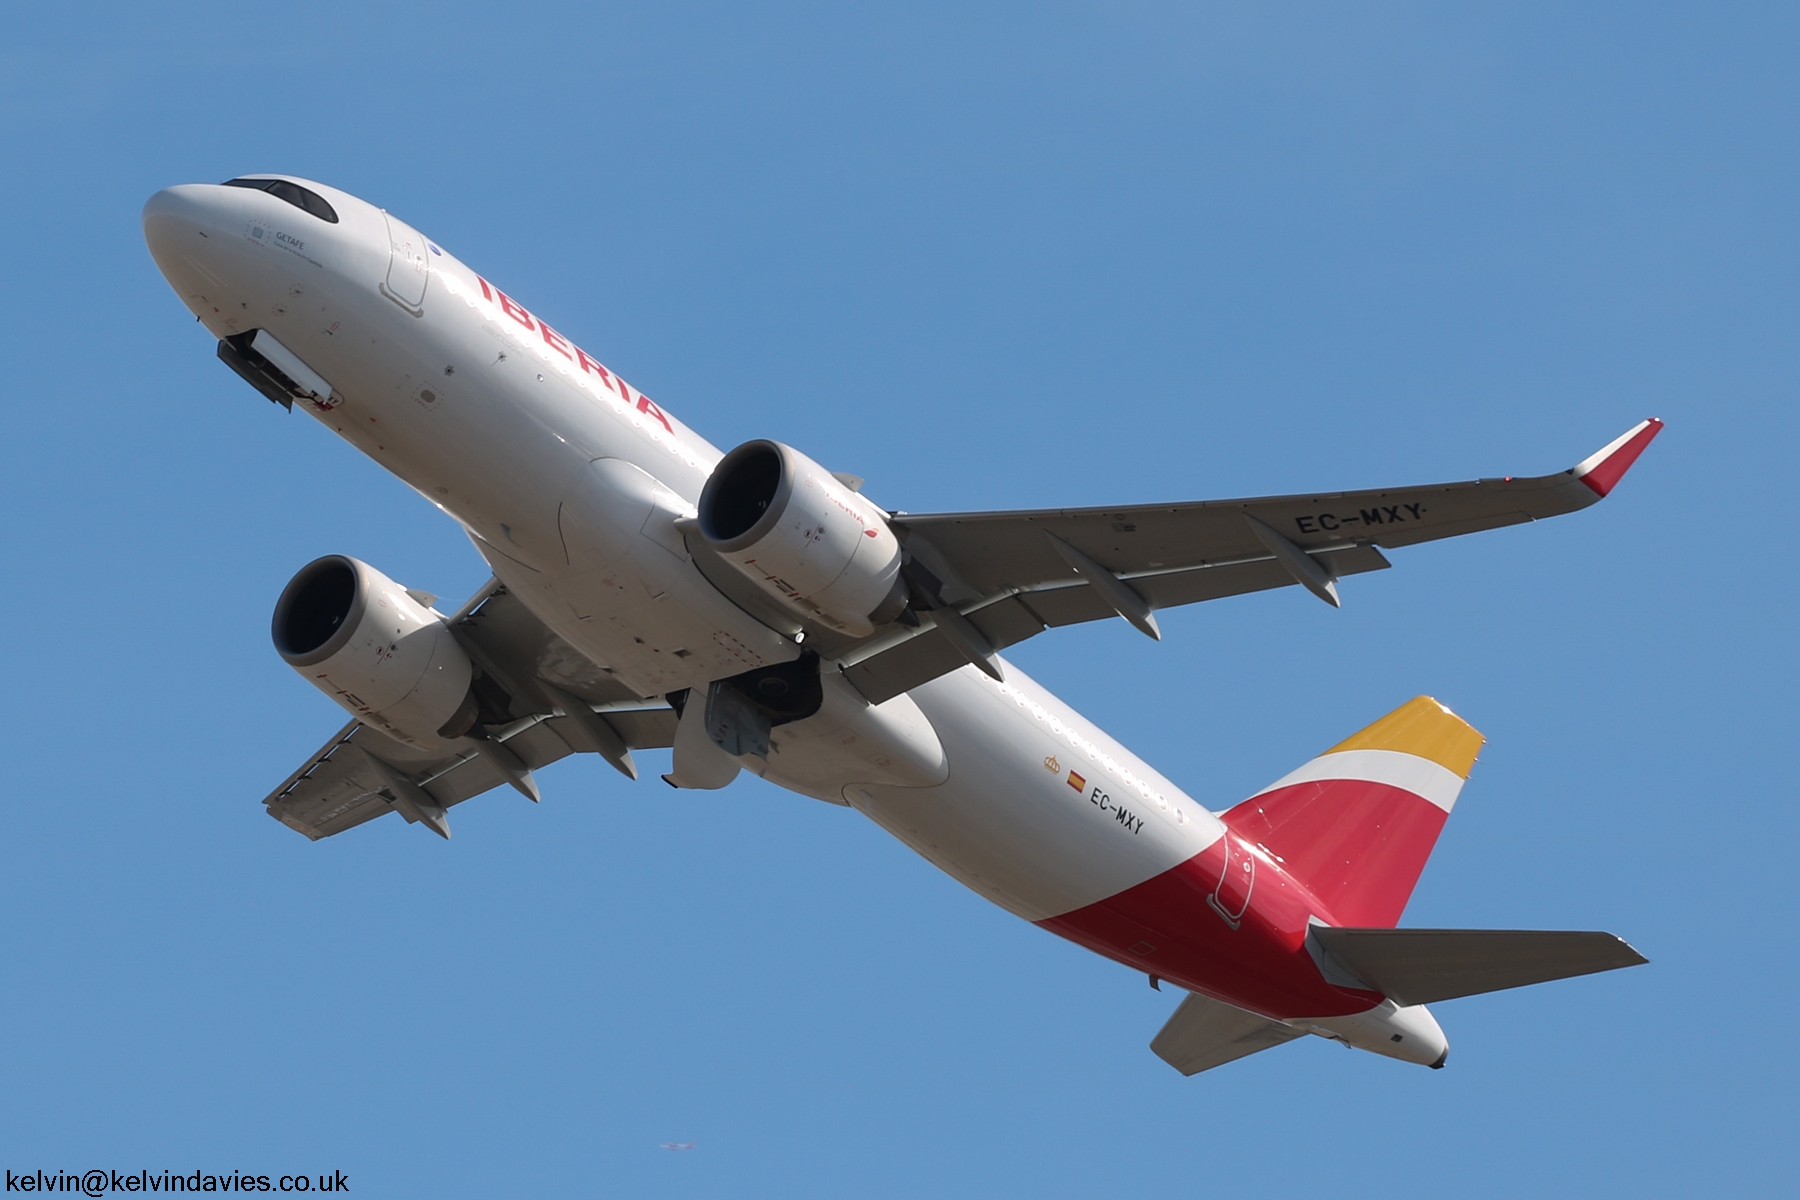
(753,611)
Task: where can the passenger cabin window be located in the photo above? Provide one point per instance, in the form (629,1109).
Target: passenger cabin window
(293,193)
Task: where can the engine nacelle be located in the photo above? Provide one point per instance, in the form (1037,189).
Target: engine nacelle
(391,662)
(791,528)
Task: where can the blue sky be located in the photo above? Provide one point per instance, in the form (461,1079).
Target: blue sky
(987,257)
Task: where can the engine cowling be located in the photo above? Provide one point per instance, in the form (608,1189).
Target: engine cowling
(387,659)
(791,528)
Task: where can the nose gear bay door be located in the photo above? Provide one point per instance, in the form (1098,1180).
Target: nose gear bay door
(409,266)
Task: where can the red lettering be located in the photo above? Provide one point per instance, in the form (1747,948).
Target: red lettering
(554,340)
(645,406)
(514,311)
(592,367)
(485,291)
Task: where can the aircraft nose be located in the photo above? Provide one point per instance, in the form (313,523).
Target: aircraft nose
(176,218)
(179,200)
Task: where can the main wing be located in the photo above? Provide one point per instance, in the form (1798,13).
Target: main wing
(996,578)
(527,678)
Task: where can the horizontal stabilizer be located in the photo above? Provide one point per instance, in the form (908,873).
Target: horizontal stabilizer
(1421,966)
(1205,1033)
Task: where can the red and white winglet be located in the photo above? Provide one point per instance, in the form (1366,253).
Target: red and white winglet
(1603,470)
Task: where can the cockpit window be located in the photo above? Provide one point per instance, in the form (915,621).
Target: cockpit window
(293,193)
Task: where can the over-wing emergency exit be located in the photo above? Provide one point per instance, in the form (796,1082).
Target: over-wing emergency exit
(755,611)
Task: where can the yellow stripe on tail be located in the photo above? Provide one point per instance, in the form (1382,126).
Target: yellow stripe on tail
(1425,728)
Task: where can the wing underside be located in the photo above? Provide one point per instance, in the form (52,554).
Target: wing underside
(515,657)
(1007,576)
(339,788)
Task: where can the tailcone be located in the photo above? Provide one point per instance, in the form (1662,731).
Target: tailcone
(1410,1034)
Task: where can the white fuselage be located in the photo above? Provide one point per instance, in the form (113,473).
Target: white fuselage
(535,449)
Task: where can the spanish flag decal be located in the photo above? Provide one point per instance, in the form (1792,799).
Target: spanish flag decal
(1077,782)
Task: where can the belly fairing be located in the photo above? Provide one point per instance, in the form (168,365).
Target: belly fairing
(850,746)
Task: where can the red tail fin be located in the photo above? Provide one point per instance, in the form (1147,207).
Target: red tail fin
(1357,823)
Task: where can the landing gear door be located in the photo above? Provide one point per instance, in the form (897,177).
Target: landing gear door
(409,266)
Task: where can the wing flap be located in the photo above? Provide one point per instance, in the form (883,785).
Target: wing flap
(1214,581)
(337,789)
(334,790)
(914,662)
(898,666)
(1421,966)
(1205,1033)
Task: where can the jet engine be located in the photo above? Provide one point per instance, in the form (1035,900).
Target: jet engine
(391,662)
(790,527)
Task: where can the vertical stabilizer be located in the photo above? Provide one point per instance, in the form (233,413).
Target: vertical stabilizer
(1356,824)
